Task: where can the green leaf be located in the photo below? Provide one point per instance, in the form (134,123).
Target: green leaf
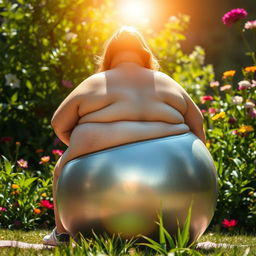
(14,97)
(29,85)
(29,181)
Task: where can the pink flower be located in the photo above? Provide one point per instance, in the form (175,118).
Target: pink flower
(22,163)
(206,98)
(46,204)
(244,84)
(229,223)
(57,152)
(234,132)
(214,84)
(212,110)
(225,87)
(6,139)
(250,24)
(3,209)
(233,16)
(203,110)
(67,83)
(252,113)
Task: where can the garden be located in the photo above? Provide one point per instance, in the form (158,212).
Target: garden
(47,49)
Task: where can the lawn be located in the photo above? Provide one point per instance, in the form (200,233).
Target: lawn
(241,242)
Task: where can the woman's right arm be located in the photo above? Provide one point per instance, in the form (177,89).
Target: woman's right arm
(193,116)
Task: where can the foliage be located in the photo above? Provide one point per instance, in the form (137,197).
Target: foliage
(21,195)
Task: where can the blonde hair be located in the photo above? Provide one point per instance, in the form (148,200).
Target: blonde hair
(126,39)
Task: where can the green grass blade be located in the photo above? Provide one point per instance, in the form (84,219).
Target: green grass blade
(158,248)
(161,232)
(185,231)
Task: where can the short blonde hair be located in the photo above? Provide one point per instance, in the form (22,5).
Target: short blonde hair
(126,38)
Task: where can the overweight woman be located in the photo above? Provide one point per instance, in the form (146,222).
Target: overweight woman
(127,100)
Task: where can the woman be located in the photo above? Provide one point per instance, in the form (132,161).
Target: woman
(127,100)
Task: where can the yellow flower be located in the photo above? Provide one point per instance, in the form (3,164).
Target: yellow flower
(250,69)
(37,211)
(245,128)
(219,115)
(15,186)
(44,195)
(229,73)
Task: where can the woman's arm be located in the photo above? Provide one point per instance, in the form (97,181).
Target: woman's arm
(66,117)
(193,116)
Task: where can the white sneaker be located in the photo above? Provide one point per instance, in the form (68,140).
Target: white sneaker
(56,239)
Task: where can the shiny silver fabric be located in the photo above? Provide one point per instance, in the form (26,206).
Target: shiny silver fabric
(121,189)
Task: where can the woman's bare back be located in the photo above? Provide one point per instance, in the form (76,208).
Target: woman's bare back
(120,107)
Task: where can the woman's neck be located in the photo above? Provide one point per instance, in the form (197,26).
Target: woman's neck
(126,59)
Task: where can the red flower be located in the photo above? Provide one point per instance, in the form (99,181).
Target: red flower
(206,98)
(6,139)
(229,223)
(46,204)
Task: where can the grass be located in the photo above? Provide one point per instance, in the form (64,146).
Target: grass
(36,237)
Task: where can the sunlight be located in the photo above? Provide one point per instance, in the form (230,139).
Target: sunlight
(136,12)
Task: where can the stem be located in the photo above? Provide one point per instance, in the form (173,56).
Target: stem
(247,45)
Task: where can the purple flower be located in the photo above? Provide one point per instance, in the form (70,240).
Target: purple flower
(66,83)
(56,141)
(233,16)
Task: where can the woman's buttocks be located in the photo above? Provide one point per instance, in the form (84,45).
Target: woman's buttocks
(91,137)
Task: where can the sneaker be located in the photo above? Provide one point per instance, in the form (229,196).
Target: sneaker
(56,238)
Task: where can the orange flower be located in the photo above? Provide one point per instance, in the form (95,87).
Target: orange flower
(245,128)
(37,211)
(250,69)
(15,192)
(17,143)
(15,186)
(39,150)
(219,115)
(229,73)
(45,159)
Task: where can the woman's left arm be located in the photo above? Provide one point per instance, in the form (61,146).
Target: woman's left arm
(66,117)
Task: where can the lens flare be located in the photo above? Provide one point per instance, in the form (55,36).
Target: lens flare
(136,12)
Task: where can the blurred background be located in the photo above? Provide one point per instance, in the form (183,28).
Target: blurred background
(223,45)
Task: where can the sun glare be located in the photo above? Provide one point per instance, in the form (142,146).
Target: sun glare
(135,11)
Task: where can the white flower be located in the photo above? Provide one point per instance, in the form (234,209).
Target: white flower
(70,35)
(12,81)
(249,104)
(244,83)
(237,100)
(250,24)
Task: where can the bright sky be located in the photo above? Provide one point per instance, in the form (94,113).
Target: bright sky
(135,12)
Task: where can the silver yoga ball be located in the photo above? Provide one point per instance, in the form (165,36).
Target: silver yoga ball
(122,189)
